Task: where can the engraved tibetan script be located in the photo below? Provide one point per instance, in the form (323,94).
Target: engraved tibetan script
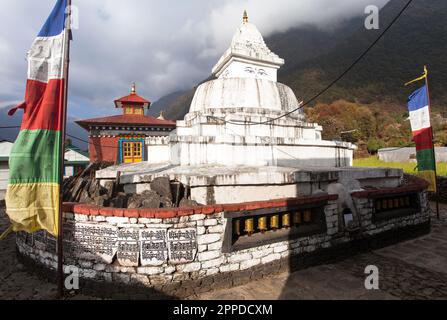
(128,247)
(182,245)
(153,247)
(92,241)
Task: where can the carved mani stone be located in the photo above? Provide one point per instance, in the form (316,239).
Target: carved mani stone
(153,247)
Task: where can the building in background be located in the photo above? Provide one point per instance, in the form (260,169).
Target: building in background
(122,138)
(5,151)
(76,160)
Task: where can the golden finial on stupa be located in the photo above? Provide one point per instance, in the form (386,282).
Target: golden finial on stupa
(245,17)
(133,89)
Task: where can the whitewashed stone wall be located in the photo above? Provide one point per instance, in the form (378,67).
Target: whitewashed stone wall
(206,259)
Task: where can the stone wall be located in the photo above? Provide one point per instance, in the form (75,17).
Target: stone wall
(165,249)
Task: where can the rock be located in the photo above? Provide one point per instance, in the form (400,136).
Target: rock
(109,186)
(166,203)
(178,191)
(135,201)
(162,186)
(151,199)
(101,201)
(187,203)
(208,238)
(85,197)
(120,201)
(77,189)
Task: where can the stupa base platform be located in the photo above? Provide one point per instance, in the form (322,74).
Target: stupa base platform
(211,184)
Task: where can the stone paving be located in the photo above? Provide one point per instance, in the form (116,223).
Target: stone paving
(414,269)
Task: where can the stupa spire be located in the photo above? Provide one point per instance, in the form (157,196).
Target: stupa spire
(245,17)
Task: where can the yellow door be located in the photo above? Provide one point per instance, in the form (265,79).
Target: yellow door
(132,151)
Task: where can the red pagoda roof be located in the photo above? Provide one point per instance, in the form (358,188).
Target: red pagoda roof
(128,119)
(132,98)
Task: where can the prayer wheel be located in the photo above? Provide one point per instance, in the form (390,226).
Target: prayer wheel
(286,220)
(390,203)
(262,224)
(274,222)
(249,226)
(407,201)
(307,216)
(401,202)
(296,217)
(237,227)
(396,203)
(384,204)
(378,205)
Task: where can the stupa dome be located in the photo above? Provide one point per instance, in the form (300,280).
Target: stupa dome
(248,94)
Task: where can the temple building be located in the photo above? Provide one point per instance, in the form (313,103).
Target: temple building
(122,138)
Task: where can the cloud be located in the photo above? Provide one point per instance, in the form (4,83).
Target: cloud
(162,45)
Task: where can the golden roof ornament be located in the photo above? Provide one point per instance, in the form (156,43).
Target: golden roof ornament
(161,116)
(133,89)
(245,17)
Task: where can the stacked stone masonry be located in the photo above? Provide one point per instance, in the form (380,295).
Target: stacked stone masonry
(164,247)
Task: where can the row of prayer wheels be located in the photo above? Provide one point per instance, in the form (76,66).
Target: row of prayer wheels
(392,203)
(270,222)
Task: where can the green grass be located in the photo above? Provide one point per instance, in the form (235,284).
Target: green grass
(408,167)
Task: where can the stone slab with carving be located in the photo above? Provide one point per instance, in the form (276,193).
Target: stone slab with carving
(182,245)
(153,247)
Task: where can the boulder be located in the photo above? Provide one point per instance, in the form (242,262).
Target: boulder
(84,197)
(177,191)
(101,201)
(166,202)
(188,203)
(135,201)
(151,199)
(109,186)
(120,201)
(162,186)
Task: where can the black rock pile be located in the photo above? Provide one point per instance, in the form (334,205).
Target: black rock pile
(85,188)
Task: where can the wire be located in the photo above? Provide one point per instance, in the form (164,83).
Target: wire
(10,127)
(330,84)
(71,136)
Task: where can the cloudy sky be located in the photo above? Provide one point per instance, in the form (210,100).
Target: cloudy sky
(162,45)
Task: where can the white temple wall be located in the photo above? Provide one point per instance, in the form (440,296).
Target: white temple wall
(157,149)
(266,131)
(234,194)
(260,155)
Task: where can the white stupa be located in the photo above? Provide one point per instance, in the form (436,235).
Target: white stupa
(245,138)
(222,124)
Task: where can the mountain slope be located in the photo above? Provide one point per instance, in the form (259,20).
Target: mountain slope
(416,39)
(315,57)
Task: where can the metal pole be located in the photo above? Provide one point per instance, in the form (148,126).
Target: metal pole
(433,139)
(60,242)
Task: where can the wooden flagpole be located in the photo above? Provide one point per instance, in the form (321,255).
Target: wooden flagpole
(60,242)
(433,139)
